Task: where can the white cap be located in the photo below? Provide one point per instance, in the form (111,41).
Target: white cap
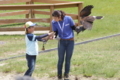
(29,24)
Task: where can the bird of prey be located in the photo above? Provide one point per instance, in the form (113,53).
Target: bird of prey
(86,19)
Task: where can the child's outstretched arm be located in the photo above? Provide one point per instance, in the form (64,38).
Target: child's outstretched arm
(33,37)
(39,38)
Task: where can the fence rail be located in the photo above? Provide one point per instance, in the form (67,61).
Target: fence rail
(22,29)
(14,13)
(29,9)
(12,1)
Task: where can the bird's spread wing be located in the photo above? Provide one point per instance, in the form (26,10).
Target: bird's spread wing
(86,11)
(86,21)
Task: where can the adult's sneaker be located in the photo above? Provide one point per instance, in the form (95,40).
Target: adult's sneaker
(66,77)
(59,77)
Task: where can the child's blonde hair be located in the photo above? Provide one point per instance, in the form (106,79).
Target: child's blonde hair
(26,30)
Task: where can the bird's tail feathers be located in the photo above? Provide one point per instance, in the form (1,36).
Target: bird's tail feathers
(98,17)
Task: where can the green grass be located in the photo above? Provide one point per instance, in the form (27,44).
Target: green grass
(15,45)
(11,45)
(99,58)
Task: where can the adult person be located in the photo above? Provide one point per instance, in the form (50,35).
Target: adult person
(63,26)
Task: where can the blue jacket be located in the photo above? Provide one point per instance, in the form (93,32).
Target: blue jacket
(64,27)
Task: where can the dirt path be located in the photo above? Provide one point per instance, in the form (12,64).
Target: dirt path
(6,76)
(20,32)
(2,42)
(9,76)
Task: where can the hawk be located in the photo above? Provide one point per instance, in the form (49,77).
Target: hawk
(86,19)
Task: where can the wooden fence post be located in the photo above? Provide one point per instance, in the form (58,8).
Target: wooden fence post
(80,6)
(32,10)
(51,11)
(27,15)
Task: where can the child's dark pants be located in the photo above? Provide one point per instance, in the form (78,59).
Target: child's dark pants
(31,60)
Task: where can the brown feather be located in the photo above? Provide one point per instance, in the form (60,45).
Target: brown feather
(86,11)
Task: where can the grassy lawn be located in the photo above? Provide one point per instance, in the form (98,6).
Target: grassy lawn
(99,58)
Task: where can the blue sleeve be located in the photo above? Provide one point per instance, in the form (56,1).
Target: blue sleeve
(54,27)
(33,37)
(30,36)
(71,21)
(39,38)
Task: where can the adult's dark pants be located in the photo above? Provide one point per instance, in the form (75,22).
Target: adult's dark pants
(31,61)
(65,51)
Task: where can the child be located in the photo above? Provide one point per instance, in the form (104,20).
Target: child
(32,46)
